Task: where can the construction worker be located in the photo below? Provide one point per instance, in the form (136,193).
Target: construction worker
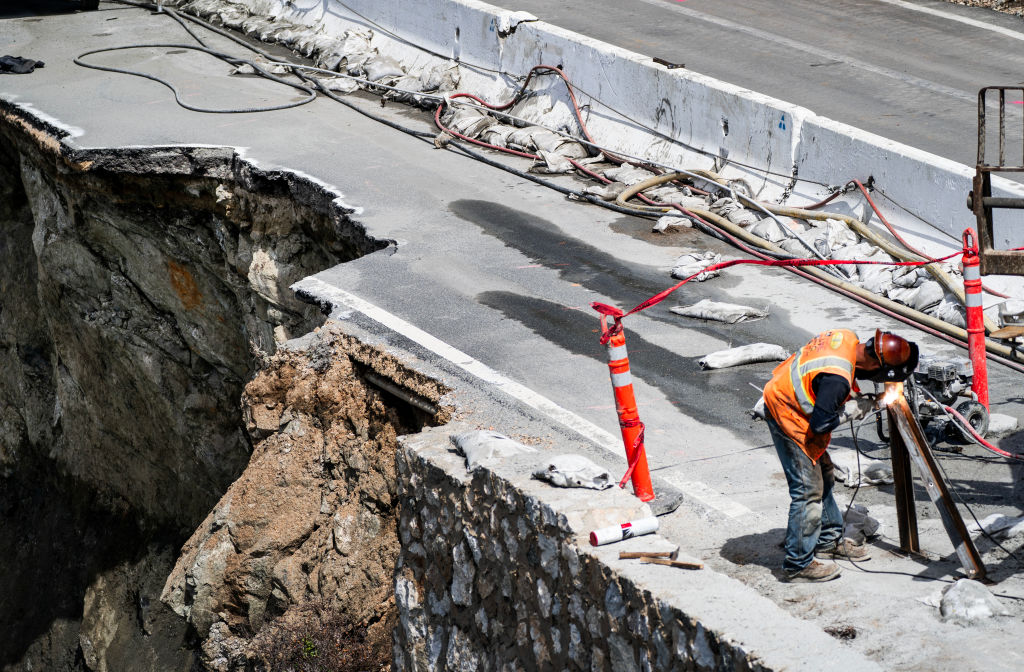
(809,395)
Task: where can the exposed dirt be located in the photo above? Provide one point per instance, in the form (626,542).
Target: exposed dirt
(312,519)
(1015,7)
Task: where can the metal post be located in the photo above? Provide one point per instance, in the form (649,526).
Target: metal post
(629,416)
(908,438)
(975,316)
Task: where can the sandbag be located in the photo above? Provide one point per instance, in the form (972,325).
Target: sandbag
(551,163)
(730,313)
(667,221)
(695,262)
(573,471)
(382,67)
(627,174)
(734,212)
(838,234)
(745,354)
(949,311)
(339,84)
(484,446)
(608,192)
(441,77)
(468,121)
(769,229)
(927,294)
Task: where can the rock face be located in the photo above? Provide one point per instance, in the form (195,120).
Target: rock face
(137,290)
(312,517)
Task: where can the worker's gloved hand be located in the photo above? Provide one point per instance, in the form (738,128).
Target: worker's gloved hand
(857,407)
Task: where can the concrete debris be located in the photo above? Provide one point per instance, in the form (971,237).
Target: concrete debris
(968,602)
(859,526)
(694,262)
(667,221)
(730,313)
(998,526)
(745,354)
(1000,425)
(482,446)
(757,412)
(574,471)
(508,21)
(869,473)
(1011,312)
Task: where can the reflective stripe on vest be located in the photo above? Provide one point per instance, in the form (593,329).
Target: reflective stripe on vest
(798,371)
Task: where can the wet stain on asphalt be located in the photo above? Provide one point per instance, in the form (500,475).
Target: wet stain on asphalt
(714,397)
(618,283)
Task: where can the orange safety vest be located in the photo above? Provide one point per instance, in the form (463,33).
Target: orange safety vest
(789,396)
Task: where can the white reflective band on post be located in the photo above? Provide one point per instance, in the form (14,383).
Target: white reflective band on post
(616,352)
(972,272)
(973,300)
(622,379)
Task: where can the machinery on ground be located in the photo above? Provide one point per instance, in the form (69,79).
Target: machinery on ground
(938,382)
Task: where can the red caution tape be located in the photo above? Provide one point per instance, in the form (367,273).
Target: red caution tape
(617,314)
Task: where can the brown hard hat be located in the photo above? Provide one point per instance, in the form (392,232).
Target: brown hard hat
(890,349)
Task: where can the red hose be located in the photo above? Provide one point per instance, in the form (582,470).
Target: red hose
(905,244)
(977,437)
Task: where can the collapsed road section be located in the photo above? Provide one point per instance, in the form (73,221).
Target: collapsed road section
(461,296)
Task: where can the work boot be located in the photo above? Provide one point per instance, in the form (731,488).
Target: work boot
(816,572)
(844,549)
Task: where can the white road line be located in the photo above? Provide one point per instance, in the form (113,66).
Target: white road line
(467,363)
(695,489)
(815,51)
(956,17)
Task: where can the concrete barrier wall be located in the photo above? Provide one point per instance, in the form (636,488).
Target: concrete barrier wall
(495,573)
(676,117)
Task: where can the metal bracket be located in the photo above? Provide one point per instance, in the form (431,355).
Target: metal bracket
(981,201)
(909,443)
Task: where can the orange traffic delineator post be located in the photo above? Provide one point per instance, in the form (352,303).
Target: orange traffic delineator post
(629,416)
(975,316)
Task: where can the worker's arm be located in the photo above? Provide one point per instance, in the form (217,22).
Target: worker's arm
(830,391)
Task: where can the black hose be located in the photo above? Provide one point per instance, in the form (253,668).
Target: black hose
(232,60)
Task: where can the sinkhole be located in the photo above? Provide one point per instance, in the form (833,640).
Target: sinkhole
(196,469)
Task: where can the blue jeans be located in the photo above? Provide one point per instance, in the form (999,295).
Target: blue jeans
(815,521)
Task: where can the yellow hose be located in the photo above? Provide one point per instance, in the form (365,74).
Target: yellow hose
(863,231)
(739,232)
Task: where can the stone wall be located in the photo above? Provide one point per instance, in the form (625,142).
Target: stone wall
(491,577)
(496,573)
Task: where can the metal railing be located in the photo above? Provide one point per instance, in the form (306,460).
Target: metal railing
(980,200)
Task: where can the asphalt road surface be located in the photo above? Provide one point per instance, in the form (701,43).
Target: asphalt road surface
(490,270)
(908,71)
